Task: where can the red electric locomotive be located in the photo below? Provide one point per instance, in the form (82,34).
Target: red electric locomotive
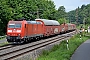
(23,31)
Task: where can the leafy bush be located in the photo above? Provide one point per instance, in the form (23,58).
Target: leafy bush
(60,52)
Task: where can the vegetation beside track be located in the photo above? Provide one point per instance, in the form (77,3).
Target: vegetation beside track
(60,52)
(2,38)
(5,43)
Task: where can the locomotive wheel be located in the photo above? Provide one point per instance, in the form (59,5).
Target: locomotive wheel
(22,41)
(26,40)
(34,38)
(29,40)
(38,38)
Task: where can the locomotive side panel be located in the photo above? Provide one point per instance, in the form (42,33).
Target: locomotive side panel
(28,30)
(35,30)
(40,29)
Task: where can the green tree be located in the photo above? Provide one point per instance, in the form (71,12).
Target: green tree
(62,20)
(15,9)
(83,13)
(60,13)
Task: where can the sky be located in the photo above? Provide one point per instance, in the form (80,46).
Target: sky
(70,4)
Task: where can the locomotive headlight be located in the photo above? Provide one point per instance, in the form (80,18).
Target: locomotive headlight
(9,30)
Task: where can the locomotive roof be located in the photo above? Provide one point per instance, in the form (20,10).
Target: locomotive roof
(15,21)
(49,22)
(33,22)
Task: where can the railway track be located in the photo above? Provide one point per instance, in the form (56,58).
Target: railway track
(6,46)
(10,53)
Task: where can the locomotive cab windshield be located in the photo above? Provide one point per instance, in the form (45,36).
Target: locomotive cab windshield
(17,25)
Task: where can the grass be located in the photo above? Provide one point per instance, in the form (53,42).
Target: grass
(5,43)
(2,38)
(86,26)
(60,52)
